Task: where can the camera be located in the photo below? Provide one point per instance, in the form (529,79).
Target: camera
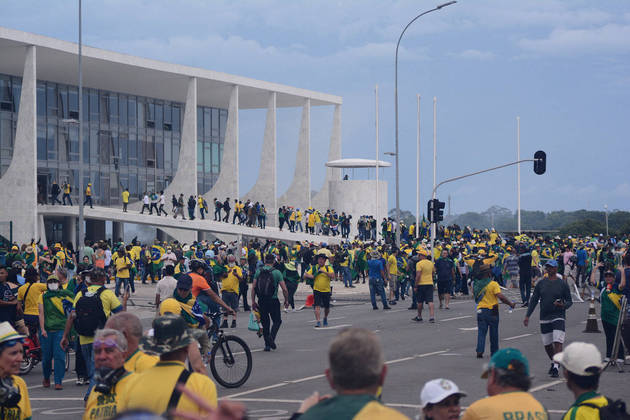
(106,379)
(9,393)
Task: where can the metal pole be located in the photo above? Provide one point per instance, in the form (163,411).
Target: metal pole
(376,129)
(396,111)
(81,227)
(518,175)
(434,224)
(606,215)
(417,235)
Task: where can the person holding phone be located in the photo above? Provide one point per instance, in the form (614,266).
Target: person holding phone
(555,298)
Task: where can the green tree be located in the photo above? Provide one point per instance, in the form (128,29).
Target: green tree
(583,227)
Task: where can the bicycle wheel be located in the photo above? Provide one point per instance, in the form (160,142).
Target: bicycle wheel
(231,361)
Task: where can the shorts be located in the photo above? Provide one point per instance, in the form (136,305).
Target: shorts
(424,293)
(230,299)
(445,287)
(536,272)
(321,299)
(552,331)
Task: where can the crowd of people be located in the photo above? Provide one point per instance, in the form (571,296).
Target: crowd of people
(59,297)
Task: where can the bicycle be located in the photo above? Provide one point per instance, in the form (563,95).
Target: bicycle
(33,355)
(230,358)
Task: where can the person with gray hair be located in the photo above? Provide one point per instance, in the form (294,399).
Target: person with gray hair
(110,376)
(356,372)
(130,326)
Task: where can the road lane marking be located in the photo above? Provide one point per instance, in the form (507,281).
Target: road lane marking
(469,329)
(330,319)
(310,378)
(457,317)
(334,327)
(516,337)
(547,385)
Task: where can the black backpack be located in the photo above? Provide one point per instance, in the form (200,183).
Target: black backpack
(615,410)
(90,314)
(265,284)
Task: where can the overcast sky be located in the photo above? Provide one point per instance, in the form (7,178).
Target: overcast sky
(562,66)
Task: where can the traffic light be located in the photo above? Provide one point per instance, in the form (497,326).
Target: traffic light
(540,162)
(439,210)
(435,210)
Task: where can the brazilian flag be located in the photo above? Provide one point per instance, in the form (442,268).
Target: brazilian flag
(156,253)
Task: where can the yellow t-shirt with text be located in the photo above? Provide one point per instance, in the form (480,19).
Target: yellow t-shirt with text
(105,406)
(509,405)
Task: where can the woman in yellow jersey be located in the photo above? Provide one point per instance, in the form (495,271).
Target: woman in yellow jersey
(15,403)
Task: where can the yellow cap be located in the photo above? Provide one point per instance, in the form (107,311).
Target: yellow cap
(170,305)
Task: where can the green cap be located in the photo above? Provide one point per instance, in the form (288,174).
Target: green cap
(503,359)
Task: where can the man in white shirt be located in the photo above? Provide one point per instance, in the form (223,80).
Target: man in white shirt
(166,286)
(169,257)
(162,204)
(145,203)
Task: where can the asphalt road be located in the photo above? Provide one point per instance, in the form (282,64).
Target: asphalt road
(415,353)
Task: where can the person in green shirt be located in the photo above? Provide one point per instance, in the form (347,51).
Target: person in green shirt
(610,299)
(291,279)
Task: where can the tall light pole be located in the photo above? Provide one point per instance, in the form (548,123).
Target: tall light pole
(417,231)
(518,175)
(81,192)
(376,130)
(396,111)
(606,215)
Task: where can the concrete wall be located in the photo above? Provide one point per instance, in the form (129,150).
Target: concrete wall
(18,186)
(358,198)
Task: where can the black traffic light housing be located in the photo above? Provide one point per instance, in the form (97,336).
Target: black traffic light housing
(435,210)
(540,162)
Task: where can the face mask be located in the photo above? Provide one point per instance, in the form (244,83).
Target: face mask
(53,286)
(231,264)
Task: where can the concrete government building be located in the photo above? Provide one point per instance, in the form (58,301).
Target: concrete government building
(149,126)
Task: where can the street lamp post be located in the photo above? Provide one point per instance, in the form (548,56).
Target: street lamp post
(396,112)
(606,215)
(81,222)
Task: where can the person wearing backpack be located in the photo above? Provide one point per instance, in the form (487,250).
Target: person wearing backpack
(89,313)
(265,299)
(582,366)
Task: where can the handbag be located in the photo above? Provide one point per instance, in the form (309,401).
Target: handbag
(252,325)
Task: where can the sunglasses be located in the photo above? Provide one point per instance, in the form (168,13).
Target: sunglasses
(108,343)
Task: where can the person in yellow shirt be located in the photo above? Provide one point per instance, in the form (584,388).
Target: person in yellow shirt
(130,326)
(508,382)
(230,289)
(123,266)
(298,220)
(125,199)
(321,274)
(392,275)
(28,294)
(11,354)
(88,195)
(112,380)
(153,389)
(487,294)
(424,285)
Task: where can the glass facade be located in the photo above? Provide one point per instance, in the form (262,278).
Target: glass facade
(128,141)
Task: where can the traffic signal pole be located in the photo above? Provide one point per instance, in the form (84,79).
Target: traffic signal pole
(540,162)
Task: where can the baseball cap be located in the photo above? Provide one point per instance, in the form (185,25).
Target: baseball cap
(583,359)
(503,359)
(551,263)
(438,390)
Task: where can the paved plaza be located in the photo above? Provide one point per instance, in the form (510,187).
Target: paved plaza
(415,353)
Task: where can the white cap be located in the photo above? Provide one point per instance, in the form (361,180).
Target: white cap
(583,359)
(438,390)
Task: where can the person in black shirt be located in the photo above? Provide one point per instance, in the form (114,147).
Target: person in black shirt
(226,209)
(445,270)
(8,299)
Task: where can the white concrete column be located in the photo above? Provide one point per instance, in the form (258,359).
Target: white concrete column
(18,186)
(265,189)
(227,185)
(299,193)
(70,230)
(118,231)
(321,200)
(185,179)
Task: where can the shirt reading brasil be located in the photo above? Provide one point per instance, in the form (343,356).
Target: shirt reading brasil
(105,406)
(507,406)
